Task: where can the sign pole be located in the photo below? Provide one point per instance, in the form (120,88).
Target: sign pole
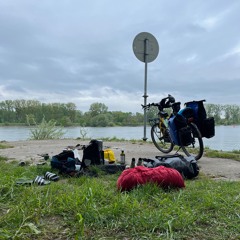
(145,87)
(145,48)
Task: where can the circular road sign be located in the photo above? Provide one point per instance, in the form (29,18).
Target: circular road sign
(145,47)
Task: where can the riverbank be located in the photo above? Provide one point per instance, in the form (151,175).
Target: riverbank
(30,151)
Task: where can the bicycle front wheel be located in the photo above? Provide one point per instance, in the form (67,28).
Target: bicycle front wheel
(161,141)
(196,147)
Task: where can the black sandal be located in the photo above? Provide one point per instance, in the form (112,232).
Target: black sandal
(38,181)
(51,176)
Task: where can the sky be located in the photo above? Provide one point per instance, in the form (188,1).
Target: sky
(82,51)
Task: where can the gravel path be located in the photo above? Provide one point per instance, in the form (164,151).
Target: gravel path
(29,151)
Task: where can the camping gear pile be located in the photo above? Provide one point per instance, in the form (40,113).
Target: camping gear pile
(68,161)
(165,171)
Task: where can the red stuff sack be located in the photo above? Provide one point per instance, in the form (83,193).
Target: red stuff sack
(162,176)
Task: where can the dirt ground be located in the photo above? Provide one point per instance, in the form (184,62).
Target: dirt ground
(30,151)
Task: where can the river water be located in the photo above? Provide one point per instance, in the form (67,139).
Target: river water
(227,138)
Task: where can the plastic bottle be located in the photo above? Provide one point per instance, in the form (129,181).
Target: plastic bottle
(133,163)
(122,157)
(140,162)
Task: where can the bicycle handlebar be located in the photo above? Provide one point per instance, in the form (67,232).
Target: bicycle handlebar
(150,105)
(164,103)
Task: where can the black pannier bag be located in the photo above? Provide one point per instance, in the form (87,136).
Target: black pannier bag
(185,136)
(204,124)
(184,131)
(208,128)
(93,153)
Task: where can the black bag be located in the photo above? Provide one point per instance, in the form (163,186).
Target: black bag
(187,166)
(93,153)
(208,127)
(205,125)
(185,136)
(183,131)
(65,162)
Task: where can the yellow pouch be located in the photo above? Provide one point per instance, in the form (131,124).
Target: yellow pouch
(109,155)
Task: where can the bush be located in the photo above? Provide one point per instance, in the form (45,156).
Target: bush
(46,130)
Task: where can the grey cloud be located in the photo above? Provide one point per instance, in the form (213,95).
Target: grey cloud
(51,48)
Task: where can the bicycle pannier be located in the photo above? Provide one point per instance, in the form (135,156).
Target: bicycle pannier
(179,131)
(185,136)
(208,129)
(173,130)
(204,124)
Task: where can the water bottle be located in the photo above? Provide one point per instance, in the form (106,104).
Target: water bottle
(133,163)
(140,162)
(122,157)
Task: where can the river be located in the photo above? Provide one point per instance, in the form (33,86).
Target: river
(227,138)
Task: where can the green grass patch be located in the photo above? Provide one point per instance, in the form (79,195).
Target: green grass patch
(3,158)
(115,139)
(92,208)
(4,145)
(235,155)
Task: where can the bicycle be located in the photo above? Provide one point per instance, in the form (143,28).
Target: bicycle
(176,129)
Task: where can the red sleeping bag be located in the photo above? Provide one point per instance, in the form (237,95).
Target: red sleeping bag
(163,176)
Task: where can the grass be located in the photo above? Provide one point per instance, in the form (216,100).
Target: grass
(93,208)
(235,155)
(115,139)
(4,145)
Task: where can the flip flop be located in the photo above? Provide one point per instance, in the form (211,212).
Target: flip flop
(38,181)
(51,176)
(24,182)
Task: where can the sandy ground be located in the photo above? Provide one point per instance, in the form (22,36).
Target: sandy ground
(30,151)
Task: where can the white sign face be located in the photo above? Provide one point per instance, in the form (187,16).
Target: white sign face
(145,47)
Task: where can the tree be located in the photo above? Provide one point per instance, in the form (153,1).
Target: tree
(232,114)
(97,108)
(99,121)
(214,110)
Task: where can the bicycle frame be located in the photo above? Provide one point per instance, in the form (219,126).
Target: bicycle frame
(161,121)
(163,125)
(165,132)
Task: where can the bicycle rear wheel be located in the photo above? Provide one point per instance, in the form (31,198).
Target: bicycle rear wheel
(196,147)
(161,141)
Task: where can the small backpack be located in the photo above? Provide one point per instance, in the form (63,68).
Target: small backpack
(93,153)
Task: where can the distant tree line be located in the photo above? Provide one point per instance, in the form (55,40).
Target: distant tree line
(31,112)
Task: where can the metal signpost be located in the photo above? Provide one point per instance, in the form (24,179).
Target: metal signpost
(145,48)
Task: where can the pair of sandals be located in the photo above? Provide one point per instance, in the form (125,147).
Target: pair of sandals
(40,180)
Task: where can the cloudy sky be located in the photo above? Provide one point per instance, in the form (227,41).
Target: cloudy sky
(81,51)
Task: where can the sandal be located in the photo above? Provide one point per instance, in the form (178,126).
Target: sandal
(51,176)
(38,181)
